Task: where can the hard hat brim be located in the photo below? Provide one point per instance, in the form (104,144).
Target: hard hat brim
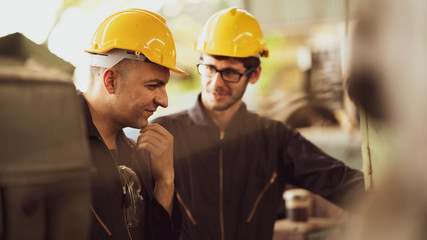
(179,71)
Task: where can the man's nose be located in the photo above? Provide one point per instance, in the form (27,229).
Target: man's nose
(216,80)
(161,98)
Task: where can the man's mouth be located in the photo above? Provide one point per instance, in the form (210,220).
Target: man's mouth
(219,95)
(150,111)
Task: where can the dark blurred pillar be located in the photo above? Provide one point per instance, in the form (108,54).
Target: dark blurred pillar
(44,158)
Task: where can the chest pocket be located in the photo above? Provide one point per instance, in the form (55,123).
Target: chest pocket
(186,210)
(260,195)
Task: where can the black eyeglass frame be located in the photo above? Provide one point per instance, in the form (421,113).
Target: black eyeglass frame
(250,70)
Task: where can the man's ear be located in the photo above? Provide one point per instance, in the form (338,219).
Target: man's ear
(109,78)
(255,75)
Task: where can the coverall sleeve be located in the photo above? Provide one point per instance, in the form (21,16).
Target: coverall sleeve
(309,167)
(162,226)
(158,224)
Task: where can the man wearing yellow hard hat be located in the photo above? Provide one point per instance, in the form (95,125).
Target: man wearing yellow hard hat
(232,165)
(132,184)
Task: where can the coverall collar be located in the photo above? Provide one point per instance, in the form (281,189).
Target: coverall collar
(91,129)
(199,116)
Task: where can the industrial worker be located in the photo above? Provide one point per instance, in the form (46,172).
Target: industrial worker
(232,165)
(132,188)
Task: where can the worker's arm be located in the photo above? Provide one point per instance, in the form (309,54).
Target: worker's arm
(159,143)
(309,167)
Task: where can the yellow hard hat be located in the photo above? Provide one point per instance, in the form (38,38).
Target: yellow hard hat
(232,32)
(139,31)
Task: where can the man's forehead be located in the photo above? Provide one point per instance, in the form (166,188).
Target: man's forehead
(151,73)
(150,66)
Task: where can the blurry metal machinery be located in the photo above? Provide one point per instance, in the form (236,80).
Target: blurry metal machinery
(44,163)
(296,16)
(320,98)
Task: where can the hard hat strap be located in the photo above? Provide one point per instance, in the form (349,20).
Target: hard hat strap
(114,56)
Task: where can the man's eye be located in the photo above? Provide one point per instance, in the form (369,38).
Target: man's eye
(210,69)
(153,86)
(229,73)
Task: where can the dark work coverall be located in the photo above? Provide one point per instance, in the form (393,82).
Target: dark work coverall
(230,183)
(109,204)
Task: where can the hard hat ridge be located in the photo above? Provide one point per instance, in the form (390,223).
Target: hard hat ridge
(232,32)
(137,30)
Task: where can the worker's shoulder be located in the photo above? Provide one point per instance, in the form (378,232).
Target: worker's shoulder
(269,125)
(264,121)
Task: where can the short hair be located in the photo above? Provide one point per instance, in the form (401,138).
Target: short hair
(248,62)
(125,66)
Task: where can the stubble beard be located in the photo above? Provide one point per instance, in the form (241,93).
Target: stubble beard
(227,105)
(138,121)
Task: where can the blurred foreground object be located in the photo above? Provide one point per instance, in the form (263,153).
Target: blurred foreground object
(375,149)
(366,86)
(44,168)
(17,50)
(394,44)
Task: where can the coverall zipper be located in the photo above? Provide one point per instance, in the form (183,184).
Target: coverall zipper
(221,185)
(187,211)
(101,222)
(272,179)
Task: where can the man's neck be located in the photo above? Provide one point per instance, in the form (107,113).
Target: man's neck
(108,135)
(223,118)
(103,125)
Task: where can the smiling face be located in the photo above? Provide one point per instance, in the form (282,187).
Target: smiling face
(138,93)
(218,95)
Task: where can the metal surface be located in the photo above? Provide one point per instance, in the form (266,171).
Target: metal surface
(44,168)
